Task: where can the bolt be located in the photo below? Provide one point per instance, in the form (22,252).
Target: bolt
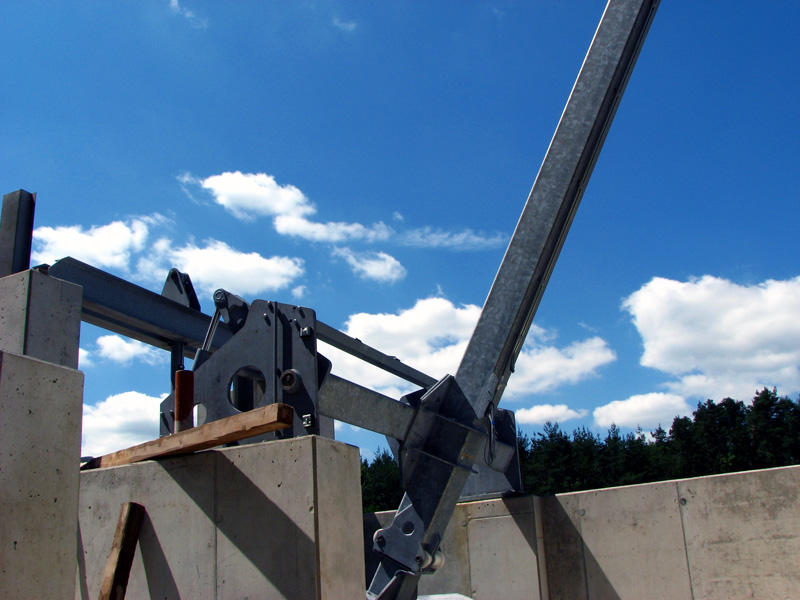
(381,540)
(290,381)
(682,501)
(418,559)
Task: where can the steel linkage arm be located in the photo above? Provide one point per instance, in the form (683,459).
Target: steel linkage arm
(442,450)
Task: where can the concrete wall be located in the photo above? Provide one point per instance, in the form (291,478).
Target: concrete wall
(40,444)
(721,537)
(271,520)
(718,538)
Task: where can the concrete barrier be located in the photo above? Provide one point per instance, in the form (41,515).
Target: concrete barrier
(270,520)
(718,538)
(40,443)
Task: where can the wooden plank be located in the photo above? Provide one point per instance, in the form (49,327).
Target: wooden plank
(231,429)
(118,567)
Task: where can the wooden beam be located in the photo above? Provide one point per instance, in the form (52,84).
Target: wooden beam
(118,567)
(238,427)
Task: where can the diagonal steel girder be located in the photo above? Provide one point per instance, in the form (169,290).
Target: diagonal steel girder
(434,489)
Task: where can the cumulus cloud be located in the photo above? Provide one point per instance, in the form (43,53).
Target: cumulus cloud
(544,368)
(299,291)
(212,264)
(216,265)
(718,338)
(542,413)
(432,336)
(108,246)
(250,195)
(124,352)
(377,266)
(118,422)
(645,410)
(85,359)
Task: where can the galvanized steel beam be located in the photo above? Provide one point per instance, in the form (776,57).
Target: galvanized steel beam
(507,314)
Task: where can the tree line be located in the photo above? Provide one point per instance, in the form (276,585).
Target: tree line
(719,437)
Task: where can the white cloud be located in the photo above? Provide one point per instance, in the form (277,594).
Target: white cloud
(298,226)
(299,292)
(194,20)
(119,422)
(543,368)
(719,338)
(216,265)
(432,336)
(84,358)
(248,195)
(122,351)
(109,246)
(427,237)
(377,266)
(347,26)
(645,410)
(542,413)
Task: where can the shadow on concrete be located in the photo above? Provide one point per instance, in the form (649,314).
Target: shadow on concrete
(261,531)
(522,511)
(84,587)
(160,582)
(573,572)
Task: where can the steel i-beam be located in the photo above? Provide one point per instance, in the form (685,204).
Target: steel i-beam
(434,487)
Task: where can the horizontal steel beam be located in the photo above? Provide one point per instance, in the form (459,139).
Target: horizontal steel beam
(125,308)
(351,403)
(370,355)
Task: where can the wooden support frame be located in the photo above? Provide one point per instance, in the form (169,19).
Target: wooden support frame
(238,427)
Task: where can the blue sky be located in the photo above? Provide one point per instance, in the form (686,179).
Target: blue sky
(370,160)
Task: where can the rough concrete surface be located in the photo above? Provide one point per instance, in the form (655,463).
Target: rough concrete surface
(40,317)
(40,441)
(743,534)
(724,537)
(271,520)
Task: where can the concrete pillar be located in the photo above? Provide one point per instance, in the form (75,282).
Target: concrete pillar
(40,442)
(274,520)
(40,317)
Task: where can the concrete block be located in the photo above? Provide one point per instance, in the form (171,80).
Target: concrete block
(40,317)
(271,521)
(502,548)
(285,521)
(743,534)
(633,543)
(176,553)
(40,441)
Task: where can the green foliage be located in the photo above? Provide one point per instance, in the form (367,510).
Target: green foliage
(380,483)
(719,438)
